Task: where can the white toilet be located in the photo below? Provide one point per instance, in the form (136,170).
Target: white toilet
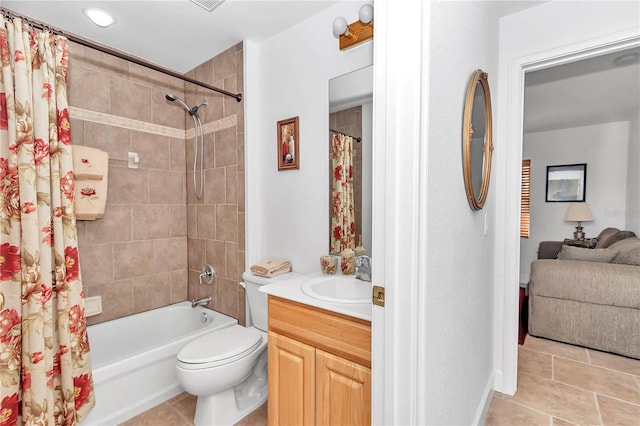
(227,369)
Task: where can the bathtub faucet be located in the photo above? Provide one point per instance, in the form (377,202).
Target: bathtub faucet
(201,302)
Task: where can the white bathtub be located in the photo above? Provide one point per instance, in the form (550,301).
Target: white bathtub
(133,358)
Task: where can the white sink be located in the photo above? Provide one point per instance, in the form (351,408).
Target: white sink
(338,289)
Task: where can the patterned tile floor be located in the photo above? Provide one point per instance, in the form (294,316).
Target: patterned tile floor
(558,384)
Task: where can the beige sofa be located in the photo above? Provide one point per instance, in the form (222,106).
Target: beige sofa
(589,297)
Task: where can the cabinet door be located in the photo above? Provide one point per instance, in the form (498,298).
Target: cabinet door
(291,381)
(343,391)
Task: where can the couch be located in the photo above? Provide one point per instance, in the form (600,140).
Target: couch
(589,296)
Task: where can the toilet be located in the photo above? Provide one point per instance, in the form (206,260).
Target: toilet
(227,369)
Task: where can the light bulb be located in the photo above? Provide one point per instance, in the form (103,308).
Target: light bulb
(366,14)
(99,17)
(339,26)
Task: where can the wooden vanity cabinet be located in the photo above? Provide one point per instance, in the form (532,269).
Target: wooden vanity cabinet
(319,366)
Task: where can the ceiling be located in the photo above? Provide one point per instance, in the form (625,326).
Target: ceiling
(178,35)
(581,93)
(181,35)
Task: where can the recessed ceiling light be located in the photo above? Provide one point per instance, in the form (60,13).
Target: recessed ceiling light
(99,17)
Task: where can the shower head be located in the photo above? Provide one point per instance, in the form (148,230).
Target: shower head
(192,111)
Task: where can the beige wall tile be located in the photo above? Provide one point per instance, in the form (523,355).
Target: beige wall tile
(168,113)
(133,259)
(226,153)
(227,297)
(151,292)
(227,222)
(128,186)
(214,191)
(192,226)
(99,61)
(178,154)
(206,219)
(170,254)
(154,150)
(179,286)
(114,140)
(130,99)
(166,187)
(96,262)
(241,235)
(197,253)
(115,226)
(117,300)
(241,192)
(216,257)
(178,223)
(231,181)
(151,221)
(224,65)
(233,266)
(88,89)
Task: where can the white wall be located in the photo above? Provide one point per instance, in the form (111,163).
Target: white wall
(287,76)
(604,148)
(632,212)
(464,37)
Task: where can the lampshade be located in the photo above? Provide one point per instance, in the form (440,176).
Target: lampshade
(578,212)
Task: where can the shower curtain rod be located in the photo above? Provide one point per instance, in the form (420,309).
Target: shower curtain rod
(357,139)
(119,54)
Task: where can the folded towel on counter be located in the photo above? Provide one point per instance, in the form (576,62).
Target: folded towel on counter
(88,163)
(271,267)
(91,194)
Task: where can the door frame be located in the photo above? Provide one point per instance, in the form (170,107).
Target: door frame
(515,61)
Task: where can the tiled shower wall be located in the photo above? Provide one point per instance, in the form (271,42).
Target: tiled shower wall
(215,223)
(136,258)
(349,121)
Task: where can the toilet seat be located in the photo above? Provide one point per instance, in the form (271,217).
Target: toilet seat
(219,347)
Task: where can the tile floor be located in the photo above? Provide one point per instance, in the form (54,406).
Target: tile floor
(558,384)
(179,411)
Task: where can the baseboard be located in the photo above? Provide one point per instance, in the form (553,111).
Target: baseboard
(485,402)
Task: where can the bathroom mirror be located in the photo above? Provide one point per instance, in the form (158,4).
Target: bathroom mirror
(351,114)
(477,145)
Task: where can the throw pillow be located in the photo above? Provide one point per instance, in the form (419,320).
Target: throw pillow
(628,251)
(587,255)
(603,237)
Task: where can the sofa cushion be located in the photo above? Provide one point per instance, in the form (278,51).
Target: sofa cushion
(591,282)
(617,236)
(588,255)
(603,237)
(628,251)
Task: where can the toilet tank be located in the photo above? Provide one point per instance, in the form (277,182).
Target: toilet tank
(257,301)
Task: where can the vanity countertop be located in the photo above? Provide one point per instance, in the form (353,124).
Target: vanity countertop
(291,289)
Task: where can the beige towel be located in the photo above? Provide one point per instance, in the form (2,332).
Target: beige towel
(271,267)
(91,194)
(88,163)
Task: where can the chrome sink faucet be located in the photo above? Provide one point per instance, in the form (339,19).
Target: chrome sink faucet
(201,302)
(363,268)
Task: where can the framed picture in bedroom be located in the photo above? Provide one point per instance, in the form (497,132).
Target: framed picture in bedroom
(288,139)
(566,183)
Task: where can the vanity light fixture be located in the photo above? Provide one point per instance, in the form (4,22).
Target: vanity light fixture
(358,32)
(99,17)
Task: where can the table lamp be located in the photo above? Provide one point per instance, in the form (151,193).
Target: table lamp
(578,212)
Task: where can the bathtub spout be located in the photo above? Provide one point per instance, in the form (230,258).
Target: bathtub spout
(201,302)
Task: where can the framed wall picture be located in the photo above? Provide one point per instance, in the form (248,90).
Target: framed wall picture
(566,183)
(288,152)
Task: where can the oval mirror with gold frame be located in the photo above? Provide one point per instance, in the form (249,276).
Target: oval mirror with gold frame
(477,145)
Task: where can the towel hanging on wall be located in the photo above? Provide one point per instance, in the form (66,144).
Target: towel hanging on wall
(91,170)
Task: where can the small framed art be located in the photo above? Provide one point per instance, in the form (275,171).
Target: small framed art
(288,151)
(566,183)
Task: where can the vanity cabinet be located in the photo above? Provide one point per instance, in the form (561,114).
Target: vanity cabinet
(319,366)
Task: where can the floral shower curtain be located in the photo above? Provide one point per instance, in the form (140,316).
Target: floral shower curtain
(45,369)
(343,224)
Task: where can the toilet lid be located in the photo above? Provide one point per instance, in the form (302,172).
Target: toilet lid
(220,347)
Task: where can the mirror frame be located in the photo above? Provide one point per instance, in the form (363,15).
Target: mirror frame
(476,201)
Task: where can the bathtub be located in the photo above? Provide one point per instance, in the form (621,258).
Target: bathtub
(133,358)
